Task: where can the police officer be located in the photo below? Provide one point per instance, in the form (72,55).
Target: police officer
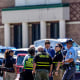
(69,61)
(10,63)
(28,66)
(42,65)
(57,61)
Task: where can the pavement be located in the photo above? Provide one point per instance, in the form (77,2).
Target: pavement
(1,78)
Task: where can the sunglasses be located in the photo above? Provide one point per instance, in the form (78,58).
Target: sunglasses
(56,46)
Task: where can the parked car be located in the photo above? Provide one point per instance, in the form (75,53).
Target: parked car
(20,51)
(19,62)
(77,73)
(55,41)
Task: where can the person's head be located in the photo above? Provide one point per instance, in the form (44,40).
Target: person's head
(11,52)
(32,46)
(69,43)
(40,49)
(58,47)
(8,53)
(31,51)
(47,44)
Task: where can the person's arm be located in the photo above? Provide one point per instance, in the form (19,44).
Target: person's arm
(69,60)
(34,68)
(14,66)
(51,67)
(58,66)
(34,64)
(3,64)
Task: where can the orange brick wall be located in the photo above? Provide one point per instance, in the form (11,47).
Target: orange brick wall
(70,1)
(73,31)
(1,36)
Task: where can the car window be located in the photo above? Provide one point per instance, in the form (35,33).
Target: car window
(75,44)
(1,60)
(20,52)
(20,60)
(42,43)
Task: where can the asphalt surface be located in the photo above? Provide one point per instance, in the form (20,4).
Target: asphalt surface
(1,78)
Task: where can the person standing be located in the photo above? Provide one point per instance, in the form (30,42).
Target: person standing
(10,63)
(50,51)
(57,61)
(42,65)
(28,65)
(69,62)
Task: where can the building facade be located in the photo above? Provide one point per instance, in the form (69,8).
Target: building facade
(39,19)
(4,4)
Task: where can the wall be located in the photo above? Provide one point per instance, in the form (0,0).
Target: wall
(73,31)
(19,16)
(1,35)
(35,2)
(70,1)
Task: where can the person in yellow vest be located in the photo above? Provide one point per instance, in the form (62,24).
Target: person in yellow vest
(28,66)
(42,65)
(57,61)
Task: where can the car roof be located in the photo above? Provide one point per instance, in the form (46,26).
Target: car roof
(22,54)
(59,40)
(22,49)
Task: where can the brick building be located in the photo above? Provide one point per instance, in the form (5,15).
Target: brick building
(32,20)
(4,4)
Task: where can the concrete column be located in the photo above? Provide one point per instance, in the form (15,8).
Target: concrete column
(62,28)
(7,34)
(43,29)
(25,35)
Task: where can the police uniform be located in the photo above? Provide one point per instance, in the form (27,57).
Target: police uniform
(43,62)
(10,72)
(70,67)
(57,58)
(28,66)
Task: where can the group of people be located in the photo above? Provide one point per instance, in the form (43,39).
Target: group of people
(48,64)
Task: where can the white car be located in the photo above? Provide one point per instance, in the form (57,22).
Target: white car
(53,42)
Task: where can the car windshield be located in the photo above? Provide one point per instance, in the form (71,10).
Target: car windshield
(42,43)
(74,44)
(53,43)
(20,60)
(20,52)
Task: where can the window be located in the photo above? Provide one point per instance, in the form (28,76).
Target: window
(54,30)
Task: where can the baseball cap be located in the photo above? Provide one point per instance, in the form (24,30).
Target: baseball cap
(69,41)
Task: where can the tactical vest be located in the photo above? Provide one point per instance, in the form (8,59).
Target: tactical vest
(43,62)
(29,64)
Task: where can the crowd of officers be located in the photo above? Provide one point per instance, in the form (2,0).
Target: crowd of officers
(50,64)
(46,64)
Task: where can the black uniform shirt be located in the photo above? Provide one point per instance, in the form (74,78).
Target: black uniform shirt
(9,61)
(57,58)
(43,60)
